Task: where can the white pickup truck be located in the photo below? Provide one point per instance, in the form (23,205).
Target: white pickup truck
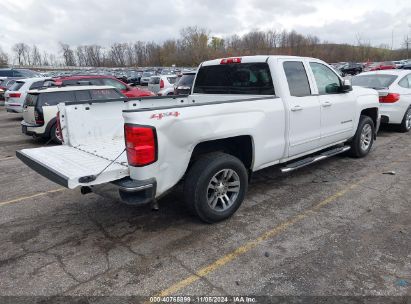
(243,114)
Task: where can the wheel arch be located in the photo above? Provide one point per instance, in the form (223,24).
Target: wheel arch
(241,147)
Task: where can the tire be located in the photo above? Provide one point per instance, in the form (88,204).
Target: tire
(209,178)
(53,135)
(363,139)
(405,125)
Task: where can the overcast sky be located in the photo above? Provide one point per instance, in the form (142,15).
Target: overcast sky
(46,22)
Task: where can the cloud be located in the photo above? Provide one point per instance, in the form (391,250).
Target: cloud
(46,22)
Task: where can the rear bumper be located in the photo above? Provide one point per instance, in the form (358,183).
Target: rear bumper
(126,190)
(13,107)
(33,130)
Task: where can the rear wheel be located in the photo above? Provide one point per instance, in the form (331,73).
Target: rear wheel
(405,125)
(215,186)
(363,139)
(54,135)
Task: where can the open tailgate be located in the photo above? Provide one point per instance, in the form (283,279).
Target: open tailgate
(72,167)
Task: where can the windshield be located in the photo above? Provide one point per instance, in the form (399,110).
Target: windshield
(379,81)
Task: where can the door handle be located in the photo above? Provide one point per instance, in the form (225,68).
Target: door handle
(296,108)
(327,104)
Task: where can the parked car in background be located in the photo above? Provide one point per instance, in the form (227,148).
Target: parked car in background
(6,83)
(127,90)
(351,68)
(145,78)
(394,89)
(21,73)
(377,66)
(185,83)
(16,94)
(2,100)
(398,64)
(406,66)
(157,83)
(40,107)
(134,78)
(167,91)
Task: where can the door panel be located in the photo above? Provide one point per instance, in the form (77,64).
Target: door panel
(305,124)
(337,109)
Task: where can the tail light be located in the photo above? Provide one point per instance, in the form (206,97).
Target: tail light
(14,95)
(38,117)
(230,60)
(161,83)
(59,133)
(390,98)
(141,145)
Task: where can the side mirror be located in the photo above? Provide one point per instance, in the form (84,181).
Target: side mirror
(346,86)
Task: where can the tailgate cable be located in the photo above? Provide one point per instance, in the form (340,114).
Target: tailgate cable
(92,178)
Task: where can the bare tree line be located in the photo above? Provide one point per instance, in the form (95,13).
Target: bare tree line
(195,45)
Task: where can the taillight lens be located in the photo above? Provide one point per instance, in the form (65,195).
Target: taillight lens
(230,60)
(14,95)
(38,117)
(141,145)
(59,134)
(161,83)
(390,98)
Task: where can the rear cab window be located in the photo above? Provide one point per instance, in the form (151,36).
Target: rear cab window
(236,78)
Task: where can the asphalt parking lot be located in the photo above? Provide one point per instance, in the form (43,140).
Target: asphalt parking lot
(339,227)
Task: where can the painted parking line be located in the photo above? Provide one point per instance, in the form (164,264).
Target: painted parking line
(22,198)
(251,244)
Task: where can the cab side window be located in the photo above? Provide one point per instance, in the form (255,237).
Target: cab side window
(327,81)
(297,78)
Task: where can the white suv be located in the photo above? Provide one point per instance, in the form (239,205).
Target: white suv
(157,83)
(16,94)
(40,107)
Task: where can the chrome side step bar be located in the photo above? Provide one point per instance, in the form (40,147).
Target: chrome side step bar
(313,159)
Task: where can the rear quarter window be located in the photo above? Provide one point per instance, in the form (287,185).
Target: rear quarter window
(244,78)
(31,100)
